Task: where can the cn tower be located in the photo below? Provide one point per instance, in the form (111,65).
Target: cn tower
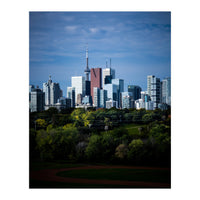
(87,70)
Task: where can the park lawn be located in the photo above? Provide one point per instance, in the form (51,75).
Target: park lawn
(147,175)
(133,129)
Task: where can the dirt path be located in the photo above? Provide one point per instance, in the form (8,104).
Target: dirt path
(50,175)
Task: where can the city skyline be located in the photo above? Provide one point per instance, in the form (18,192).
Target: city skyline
(138,43)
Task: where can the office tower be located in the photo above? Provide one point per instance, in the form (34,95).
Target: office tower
(52,92)
(166,91)
(136,91)
(87,100)
(79,99)
(108,75)
(95,80)
(78,82)
(111,103)
(111,91)
(103,98)
(96,97)
(127,98)
(154,89)
(71,95)
(37,100)
(120,88)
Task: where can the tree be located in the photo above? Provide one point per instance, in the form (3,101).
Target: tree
(41,123)
(121,151)
(77,117)
(135,150)
(94,148)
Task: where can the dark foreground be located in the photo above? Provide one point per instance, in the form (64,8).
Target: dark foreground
(55,175)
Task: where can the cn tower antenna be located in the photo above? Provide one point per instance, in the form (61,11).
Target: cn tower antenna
(87,70)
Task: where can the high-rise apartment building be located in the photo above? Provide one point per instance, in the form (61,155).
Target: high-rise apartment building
(52,92)
(95,80)
(136,91)
(78,82)
(166,91)
(154,89)
(37,100)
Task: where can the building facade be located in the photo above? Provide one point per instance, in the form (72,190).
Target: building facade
(154,89)
(95,80)
(111,103)
(96,97)
(166,91)
(71,95)
(127,100)
(108,75)
(52,92)
(120,88)
(37,100)
(103,98)
(78,82)
(135,90)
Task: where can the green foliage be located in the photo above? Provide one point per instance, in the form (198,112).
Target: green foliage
(41,123)
(135,150)
(94,148)
(121,151)
(77,117)
(57,143)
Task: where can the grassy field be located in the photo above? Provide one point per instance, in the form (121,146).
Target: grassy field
(161,176)
(104,173)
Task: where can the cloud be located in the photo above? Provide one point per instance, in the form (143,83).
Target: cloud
(71,28)
(93,30)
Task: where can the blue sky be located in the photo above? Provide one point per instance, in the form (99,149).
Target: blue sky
(139,44)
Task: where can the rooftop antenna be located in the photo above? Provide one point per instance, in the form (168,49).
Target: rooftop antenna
(110,62)
(106,63)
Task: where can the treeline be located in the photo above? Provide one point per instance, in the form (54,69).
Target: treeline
(114,136)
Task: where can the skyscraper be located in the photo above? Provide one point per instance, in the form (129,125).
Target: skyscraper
(103,98)
(111,91)
(120,88)
(95,80)
(127,100)
(154,89)
(52,92)
(71,95)
(78,82)
(166,91)
(96,97)
(37,100)
(135,90)
(108,75)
